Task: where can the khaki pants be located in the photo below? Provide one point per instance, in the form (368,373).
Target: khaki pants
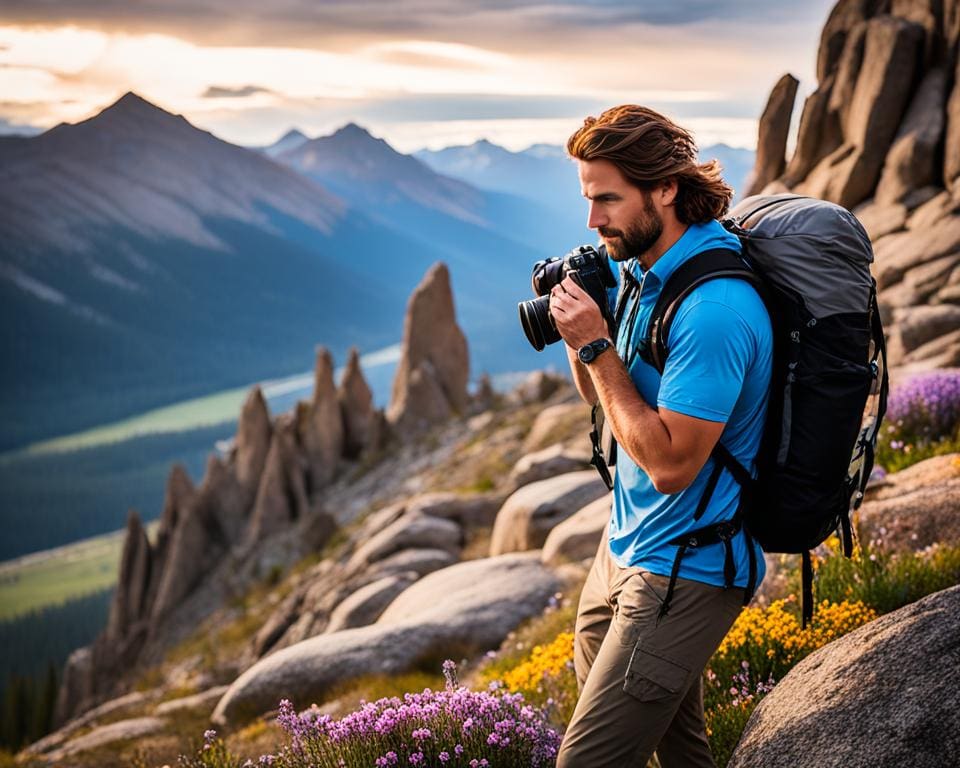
(639,678)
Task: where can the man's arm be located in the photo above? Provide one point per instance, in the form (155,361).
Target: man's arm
(670,447)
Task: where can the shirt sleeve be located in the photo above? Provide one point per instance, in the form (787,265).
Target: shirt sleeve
(711,346)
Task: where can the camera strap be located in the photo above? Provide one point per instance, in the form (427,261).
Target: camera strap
(628,284)
(601,436)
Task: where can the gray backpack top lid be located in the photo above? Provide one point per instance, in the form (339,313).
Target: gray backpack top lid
(815,249)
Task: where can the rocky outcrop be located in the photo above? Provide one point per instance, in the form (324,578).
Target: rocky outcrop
(133,582)
(366,604)
(253,441)
(470,606)
(431,380)
(951,155)
(916,507)
(548,462)
(912,162)
(774,129)
(578,537)
(850,173)
(836,707)
(356,409)
(470,512)
(537,387)
(395,545)
(530,513)
(106,735)
(320,425)
(411,530)
(214,539)
(880,135)
(556,420)
(198,704)
(282,496)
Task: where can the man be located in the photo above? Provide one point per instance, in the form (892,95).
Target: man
(641,646)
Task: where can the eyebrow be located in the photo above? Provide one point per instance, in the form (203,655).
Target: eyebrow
(602,196)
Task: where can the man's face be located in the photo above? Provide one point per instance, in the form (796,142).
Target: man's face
(624,216)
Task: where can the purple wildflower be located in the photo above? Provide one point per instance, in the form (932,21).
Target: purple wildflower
(926,406)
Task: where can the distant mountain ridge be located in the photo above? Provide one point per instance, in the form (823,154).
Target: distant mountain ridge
(543,172)
(290,140)
(144,261)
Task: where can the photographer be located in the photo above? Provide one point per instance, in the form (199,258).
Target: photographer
(653,611)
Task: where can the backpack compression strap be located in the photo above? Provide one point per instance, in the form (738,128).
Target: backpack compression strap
(705,266)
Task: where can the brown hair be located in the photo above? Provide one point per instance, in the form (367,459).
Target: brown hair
(649,148)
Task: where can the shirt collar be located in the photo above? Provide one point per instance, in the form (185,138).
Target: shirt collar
(696,238)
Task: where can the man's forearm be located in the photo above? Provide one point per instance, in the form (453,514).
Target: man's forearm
(581,377)
(635,424)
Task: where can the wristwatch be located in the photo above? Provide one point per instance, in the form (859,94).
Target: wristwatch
(589,352)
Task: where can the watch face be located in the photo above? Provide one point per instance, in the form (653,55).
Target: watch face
(586,354)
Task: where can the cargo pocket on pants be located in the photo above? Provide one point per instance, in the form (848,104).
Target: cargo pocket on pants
(651,676)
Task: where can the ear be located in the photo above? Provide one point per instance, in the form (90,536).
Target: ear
(668,191)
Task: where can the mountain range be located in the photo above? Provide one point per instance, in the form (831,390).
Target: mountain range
(144,260)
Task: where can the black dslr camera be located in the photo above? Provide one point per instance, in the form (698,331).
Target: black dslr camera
(589,268)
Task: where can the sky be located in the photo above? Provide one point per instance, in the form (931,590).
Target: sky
(419,73)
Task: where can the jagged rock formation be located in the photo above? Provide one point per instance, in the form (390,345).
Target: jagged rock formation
(392,578)
(356,409)
(836,707)
(282,497)
(431,380)
(271,484)
(881,136)
(319,424)
(270,481)
(774,129)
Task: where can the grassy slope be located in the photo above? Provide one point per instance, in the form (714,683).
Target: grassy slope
(55,576)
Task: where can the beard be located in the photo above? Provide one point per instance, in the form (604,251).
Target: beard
(637,239)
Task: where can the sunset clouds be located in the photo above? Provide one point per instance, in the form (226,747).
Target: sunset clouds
(422,73)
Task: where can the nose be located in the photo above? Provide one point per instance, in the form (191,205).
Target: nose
(595,217)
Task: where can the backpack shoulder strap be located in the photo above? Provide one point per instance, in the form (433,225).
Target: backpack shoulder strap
(709,265)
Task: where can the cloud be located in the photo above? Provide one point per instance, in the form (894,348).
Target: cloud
(223,92)
(333,23)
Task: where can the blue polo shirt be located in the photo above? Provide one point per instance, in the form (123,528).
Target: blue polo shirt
(718,369)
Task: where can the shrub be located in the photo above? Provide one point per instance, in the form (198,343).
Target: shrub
(453,727)
(767,642)
(885,580)
(546,678)
(727,718)
(922,420)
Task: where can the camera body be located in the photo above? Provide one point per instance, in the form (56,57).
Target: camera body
(587,265)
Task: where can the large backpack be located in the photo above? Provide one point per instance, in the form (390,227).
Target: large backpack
(810,262)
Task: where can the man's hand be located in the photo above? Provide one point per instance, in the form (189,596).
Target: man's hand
(578,318)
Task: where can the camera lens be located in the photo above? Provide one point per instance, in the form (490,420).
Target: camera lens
(537,323)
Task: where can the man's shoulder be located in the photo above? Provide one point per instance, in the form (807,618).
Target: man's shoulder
(724,300)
